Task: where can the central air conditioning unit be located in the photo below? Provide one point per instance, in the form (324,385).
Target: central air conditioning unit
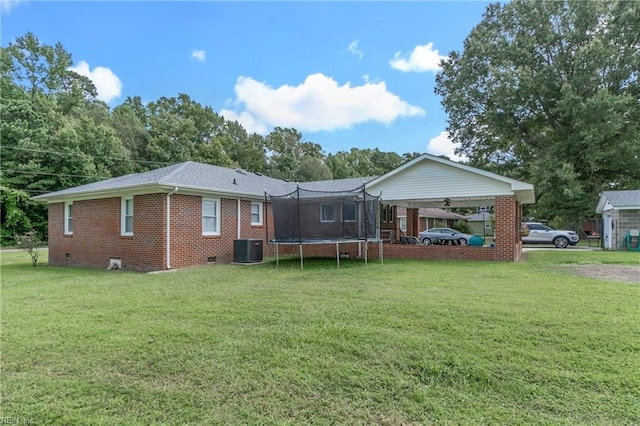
(247,251)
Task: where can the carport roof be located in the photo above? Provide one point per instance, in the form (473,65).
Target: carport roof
(431,181)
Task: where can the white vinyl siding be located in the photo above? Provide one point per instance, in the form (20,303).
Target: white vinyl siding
(419,182)
(68,218)
(126,218)
(256,213)
(210,216)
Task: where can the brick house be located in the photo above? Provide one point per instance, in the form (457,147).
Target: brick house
(430,218)
(191,213)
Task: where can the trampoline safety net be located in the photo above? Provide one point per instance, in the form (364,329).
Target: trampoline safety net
(307,216)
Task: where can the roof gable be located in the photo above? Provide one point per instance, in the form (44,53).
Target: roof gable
(621,200)
(429,180)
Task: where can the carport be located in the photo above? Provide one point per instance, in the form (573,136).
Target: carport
(431,181)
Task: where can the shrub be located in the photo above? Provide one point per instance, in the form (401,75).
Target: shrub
(31,243)
(463,226)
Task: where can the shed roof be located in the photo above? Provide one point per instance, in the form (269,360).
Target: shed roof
(620,200)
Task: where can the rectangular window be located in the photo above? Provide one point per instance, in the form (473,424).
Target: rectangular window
(68,218)
(126,219)
(349,210)
(403,223)
(327,212)
(387,213)
(210,217)
(256,213)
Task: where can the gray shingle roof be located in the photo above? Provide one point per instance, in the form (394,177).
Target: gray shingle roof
(619,199)
(193,175)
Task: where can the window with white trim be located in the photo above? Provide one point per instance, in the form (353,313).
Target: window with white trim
(210,216)
(402,220)
(68,218)
(349,211)
(126,217)
(256,213)
(327,212)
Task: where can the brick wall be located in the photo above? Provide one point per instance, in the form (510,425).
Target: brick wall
(96,234)
(189,247)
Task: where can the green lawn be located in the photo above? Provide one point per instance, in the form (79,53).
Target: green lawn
(407,342)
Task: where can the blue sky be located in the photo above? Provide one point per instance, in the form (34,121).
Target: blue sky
(344,74)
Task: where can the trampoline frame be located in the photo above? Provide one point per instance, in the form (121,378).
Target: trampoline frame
(336,242)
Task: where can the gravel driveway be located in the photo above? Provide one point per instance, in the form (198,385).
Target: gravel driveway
(610,273)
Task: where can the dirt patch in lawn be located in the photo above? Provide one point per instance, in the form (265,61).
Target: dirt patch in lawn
(611,273)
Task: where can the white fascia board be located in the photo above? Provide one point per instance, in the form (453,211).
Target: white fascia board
(99,194)
(602,204)
(196,190)
(144,189)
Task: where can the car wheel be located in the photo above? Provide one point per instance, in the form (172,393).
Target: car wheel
(426,241)
(560,242)
(463,242)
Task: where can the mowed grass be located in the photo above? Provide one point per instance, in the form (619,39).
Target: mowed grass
(407,342)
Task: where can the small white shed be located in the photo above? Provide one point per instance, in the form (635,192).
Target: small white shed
(620,212)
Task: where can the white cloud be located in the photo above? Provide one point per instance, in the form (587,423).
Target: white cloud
(107,84)
(354,50)
(199,55)
(442,145)
(422,59)
(7,5)
(318,103)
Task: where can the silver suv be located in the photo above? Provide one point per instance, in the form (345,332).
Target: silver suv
(543,234)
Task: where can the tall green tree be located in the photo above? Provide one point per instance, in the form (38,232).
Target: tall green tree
(284,152)
(129,122)
(364,162)
(246,151)
(54,132)
(181,129)
(548,92)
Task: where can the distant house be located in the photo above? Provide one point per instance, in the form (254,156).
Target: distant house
(620,212)
(430,218)
(481,223)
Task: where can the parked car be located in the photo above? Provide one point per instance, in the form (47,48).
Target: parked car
(543,234)
(443,236)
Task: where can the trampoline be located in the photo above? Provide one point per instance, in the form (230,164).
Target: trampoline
(308,217)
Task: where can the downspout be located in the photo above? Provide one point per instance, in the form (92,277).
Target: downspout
(169,226)
(239,218)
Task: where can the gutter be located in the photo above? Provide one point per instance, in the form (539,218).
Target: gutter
(239,219)
(168,233)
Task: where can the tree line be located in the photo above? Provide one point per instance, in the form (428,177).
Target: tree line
(56,134)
